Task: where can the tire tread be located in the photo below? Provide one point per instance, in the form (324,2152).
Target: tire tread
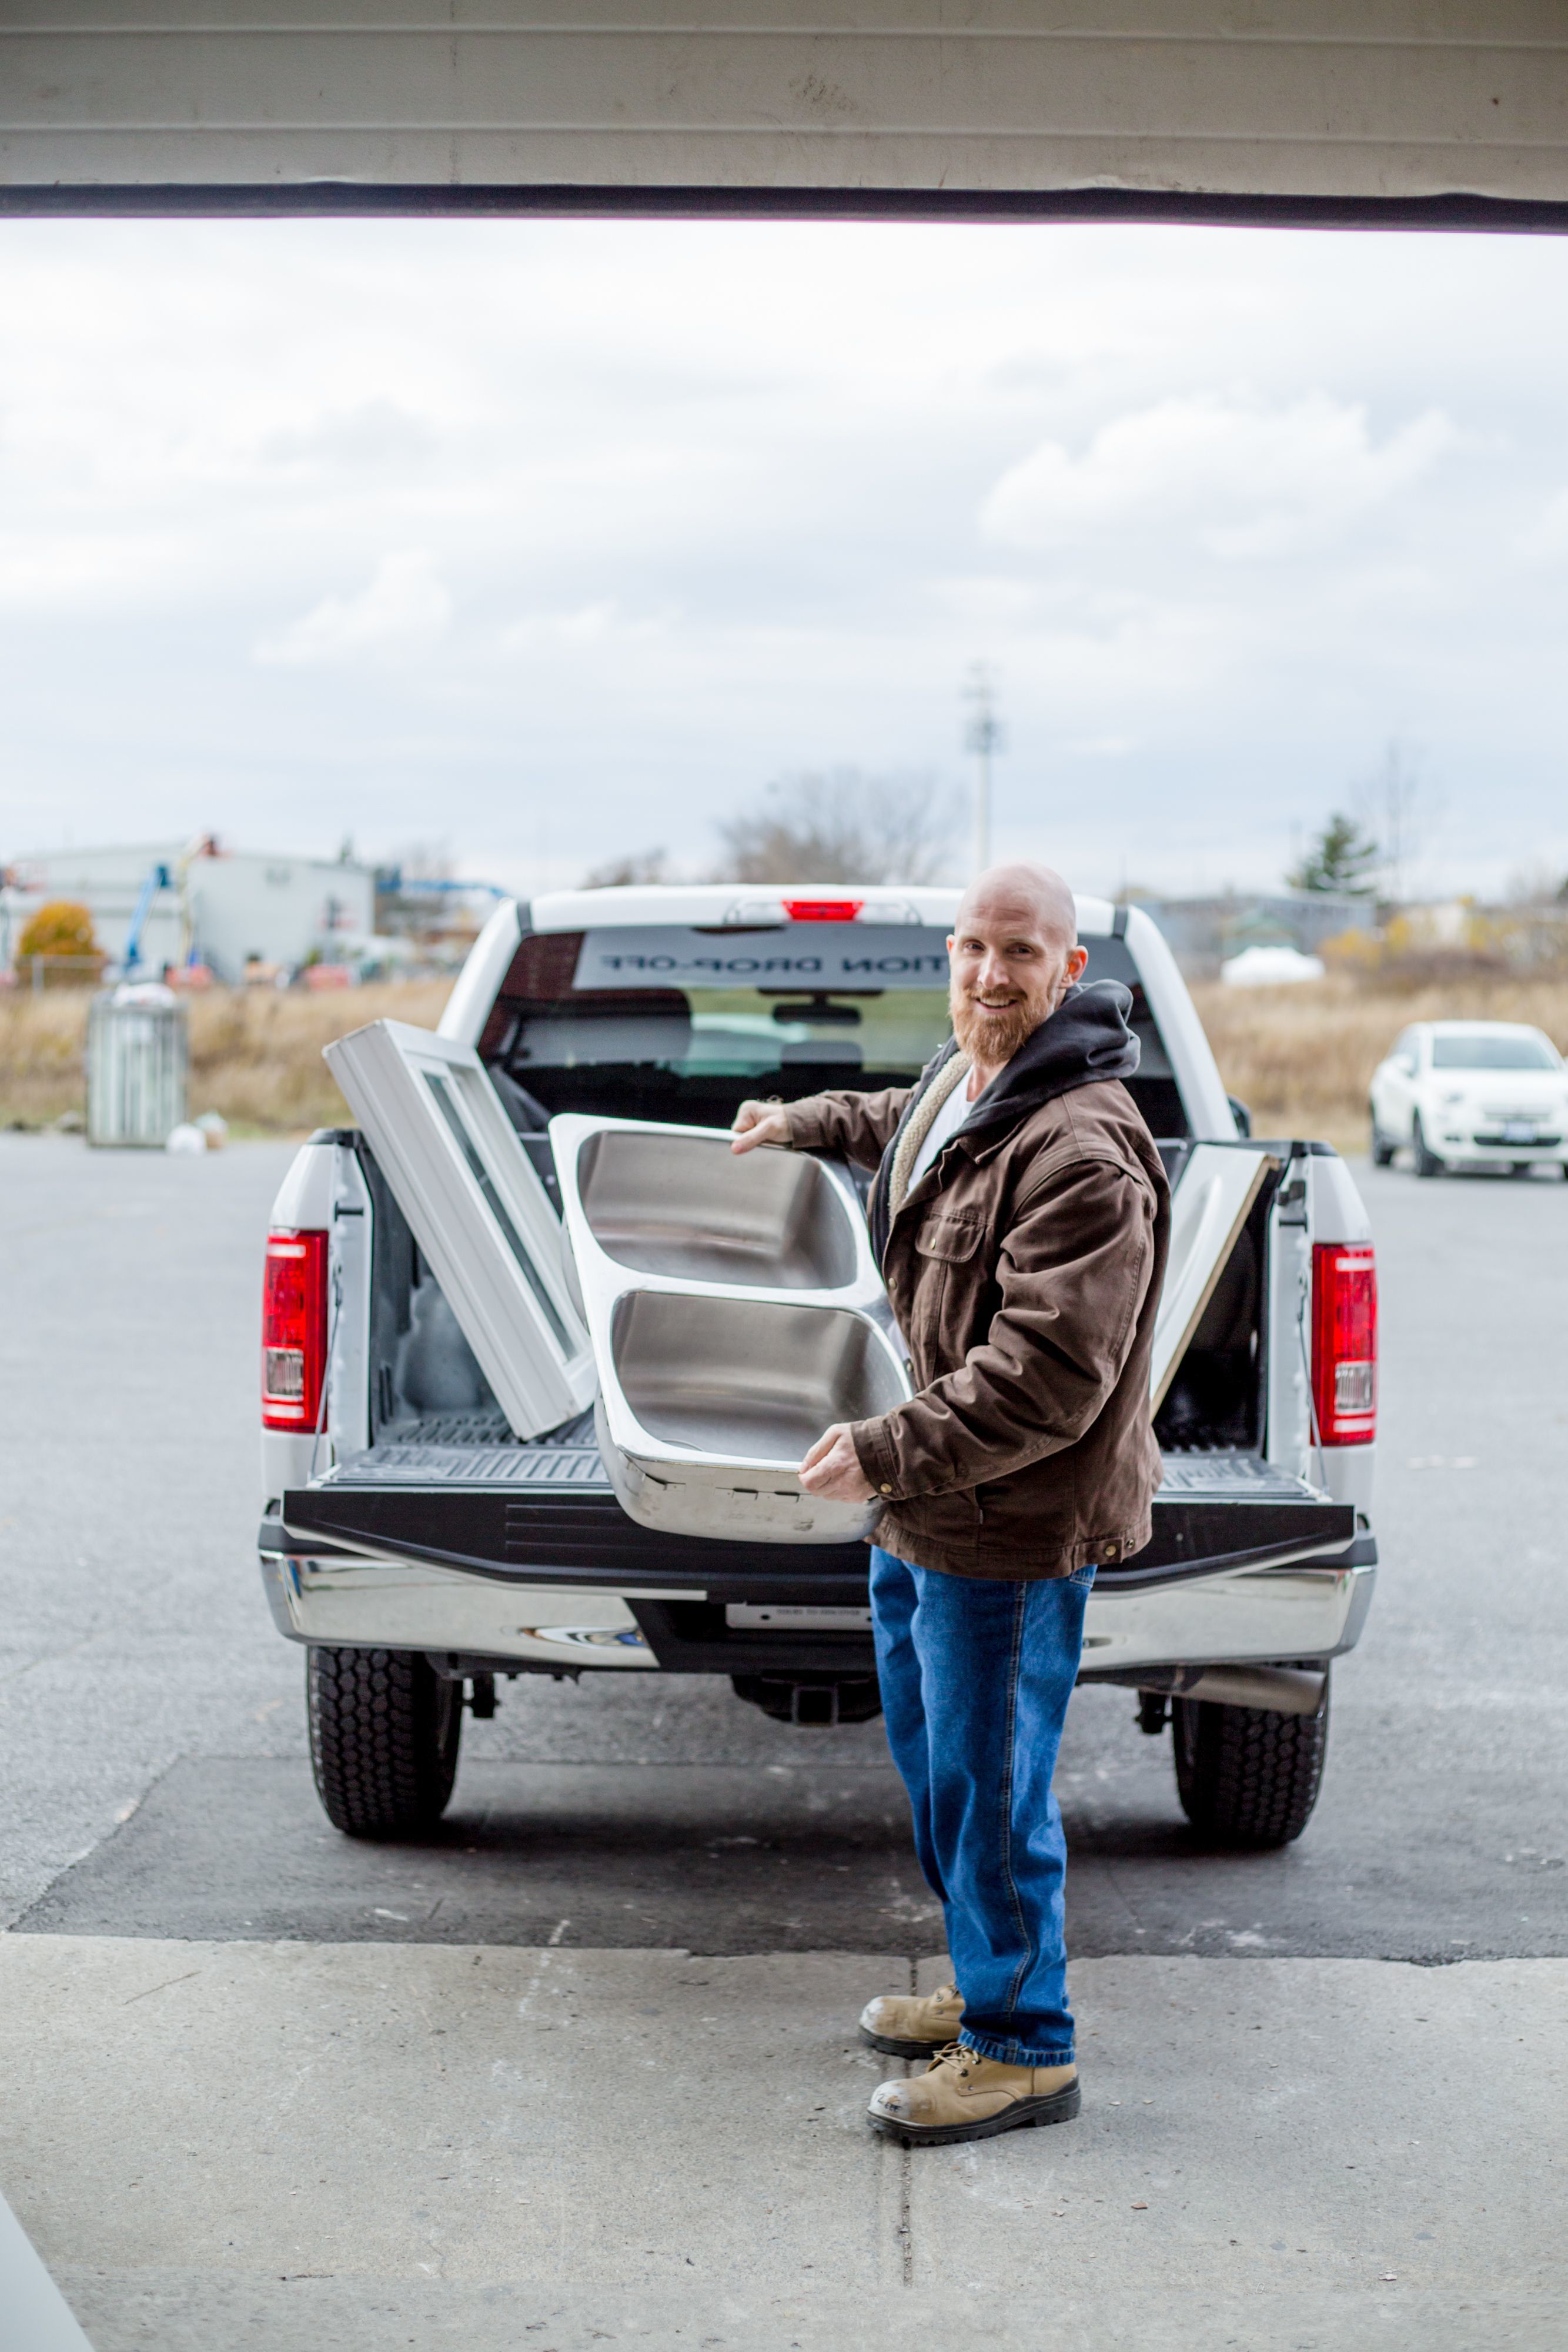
(384,1736)
(1248,1777)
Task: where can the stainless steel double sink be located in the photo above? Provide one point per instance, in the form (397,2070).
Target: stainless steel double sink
(736,1311)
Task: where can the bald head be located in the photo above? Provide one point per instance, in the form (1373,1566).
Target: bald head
(1022,897)
(1014,953)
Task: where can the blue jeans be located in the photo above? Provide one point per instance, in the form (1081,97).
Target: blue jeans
(975,1675)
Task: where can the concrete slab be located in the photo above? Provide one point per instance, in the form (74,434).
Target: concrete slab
(471,2114)
(320,2146)
(173,2311)
(1344,2134)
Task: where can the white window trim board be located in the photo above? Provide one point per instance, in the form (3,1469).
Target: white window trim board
(1211,1202)
(536,1357)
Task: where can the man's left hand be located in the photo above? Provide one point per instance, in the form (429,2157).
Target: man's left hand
(832,1469)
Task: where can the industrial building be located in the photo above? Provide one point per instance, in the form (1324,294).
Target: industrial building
(204,903)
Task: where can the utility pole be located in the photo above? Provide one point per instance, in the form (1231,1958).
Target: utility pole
(984,736)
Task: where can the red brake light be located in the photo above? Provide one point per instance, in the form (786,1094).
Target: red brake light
(293,1329)
(822,910)
(1344,1342)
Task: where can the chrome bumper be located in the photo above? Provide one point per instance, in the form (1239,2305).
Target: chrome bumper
(1312,1609)
(380,1604)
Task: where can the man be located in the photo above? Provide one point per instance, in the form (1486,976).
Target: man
(1021,1216)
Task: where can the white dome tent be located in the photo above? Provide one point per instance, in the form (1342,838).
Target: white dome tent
(1265,966)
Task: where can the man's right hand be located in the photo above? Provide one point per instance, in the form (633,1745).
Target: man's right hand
(759,1122)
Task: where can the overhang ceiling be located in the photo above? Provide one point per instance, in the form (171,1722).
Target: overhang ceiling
(1325,108)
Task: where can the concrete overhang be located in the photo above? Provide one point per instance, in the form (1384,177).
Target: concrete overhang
(1363,111)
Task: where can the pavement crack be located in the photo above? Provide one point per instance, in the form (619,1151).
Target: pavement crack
(148,1990)
(49,1657)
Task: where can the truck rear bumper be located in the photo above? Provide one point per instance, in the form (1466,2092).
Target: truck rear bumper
(384,1605)
(1311,1609)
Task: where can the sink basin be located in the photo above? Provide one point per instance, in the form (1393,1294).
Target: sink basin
(736,1311)
(688,1207)
(749,1379)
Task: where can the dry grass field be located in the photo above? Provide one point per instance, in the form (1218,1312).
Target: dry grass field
(1300,1057)
(256,1053)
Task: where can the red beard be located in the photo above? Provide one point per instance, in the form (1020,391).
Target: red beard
(994,1037)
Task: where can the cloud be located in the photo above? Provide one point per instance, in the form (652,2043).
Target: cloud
(1244,480)
(588,628)
(80,573)
(378,433)
(695,504)
(1545,538)
(403,611)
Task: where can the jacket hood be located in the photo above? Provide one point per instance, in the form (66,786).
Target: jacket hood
(1085,1039)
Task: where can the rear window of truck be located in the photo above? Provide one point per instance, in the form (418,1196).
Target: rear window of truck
(666,1023)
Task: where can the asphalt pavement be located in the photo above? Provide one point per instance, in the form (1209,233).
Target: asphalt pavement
(1342,2064)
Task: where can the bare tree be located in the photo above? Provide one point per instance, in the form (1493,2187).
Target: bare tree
(841,826)
(630,866)
(424,861)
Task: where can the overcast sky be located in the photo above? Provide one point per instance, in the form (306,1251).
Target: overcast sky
(548,541)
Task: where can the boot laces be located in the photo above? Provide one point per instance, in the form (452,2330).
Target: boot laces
(954,2053)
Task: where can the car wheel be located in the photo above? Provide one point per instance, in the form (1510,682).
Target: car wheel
(1382,1148)
(1248,1777)
(384,1735)
(1426,1162)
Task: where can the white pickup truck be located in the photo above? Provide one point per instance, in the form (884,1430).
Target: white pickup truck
(422,1550)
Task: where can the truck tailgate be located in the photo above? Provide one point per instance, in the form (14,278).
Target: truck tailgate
(547,1515)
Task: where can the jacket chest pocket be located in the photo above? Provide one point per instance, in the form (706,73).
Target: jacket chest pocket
(951,1240)
(950,1271)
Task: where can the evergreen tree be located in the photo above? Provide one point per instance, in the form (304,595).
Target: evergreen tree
(1342,858)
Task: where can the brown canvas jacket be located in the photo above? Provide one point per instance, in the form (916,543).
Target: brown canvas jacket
(1024,1269)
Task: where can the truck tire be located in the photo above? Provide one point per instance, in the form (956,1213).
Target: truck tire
(1426,1161)
(384,1734)
(1382,1146)
(1248,1777)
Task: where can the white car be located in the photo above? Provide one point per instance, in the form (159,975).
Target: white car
(1486,1093)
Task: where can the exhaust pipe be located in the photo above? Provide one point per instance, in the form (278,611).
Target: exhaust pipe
(1280,1690)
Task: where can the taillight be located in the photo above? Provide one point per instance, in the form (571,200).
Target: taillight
(293,1329)
(1344,1342)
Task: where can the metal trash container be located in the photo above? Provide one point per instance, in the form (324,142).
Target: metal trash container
(137,1053)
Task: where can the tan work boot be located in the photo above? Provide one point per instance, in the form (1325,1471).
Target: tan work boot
(913,2025)
(962,2096)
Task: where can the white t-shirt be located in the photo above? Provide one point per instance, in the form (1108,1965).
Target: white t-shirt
(942,1130)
